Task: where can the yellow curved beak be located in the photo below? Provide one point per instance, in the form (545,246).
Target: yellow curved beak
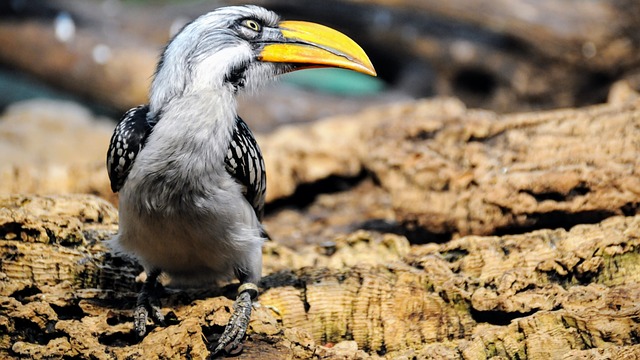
(310,45)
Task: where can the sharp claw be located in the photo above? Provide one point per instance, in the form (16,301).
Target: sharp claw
(231,339)
(156,316)
(234,348)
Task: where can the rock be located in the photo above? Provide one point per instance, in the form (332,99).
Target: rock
(537,295)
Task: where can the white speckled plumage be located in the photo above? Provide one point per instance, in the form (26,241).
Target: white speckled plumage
(181,210)
(183,213)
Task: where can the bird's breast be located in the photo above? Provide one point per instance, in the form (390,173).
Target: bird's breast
(180,170)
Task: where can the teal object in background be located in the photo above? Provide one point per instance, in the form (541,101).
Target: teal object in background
(335,81)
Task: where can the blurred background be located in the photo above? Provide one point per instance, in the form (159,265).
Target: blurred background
(504,55)
(69,69)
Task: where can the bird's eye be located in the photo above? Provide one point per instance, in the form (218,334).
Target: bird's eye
(252,25)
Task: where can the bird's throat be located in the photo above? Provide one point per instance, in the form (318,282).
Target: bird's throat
(192,135)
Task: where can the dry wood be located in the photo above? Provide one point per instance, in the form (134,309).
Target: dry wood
(538,295)
(452,170)
(444,169)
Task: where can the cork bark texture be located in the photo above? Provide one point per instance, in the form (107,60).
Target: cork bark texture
(546,294)
(450,171)
(446,170)
(429,231)
(453,170)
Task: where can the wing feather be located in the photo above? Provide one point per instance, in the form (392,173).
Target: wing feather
(245,163)
(127,140)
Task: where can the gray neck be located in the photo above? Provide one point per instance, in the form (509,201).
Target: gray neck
(184,156)
(201,123)
(190,140)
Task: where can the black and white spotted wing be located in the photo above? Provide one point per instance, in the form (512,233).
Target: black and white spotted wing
(244,162)
(128,139)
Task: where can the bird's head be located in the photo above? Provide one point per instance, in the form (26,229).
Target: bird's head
(238,47)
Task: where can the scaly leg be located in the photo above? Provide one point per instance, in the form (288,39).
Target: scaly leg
(234,332)
(146,304)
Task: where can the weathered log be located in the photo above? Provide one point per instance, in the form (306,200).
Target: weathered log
(449,170)
(452,170)
(443,169)
(113,71)
(538,295)
(559,30)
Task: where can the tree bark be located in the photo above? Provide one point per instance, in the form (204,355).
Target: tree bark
(540,295)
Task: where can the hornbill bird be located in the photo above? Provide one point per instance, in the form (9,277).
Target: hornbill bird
(189,172)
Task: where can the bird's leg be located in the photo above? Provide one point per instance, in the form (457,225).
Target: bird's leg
(234,332)
(148,304)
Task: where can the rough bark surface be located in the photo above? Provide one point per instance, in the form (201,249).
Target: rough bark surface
(453,170)
(443,169)
(548,294)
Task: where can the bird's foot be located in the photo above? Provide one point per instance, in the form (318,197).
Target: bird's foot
(148,304)
(142,313)
(231,339)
